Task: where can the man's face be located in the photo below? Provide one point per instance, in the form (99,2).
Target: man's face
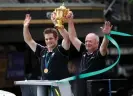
(91,42)
(50,40)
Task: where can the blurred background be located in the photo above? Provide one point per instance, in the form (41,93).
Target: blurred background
(18,62)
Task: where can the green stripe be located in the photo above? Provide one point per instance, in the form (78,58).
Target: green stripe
(107,68)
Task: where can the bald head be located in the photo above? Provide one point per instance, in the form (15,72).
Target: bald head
(93,36)
(91,42)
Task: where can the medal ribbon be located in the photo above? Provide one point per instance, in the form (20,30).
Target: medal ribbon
(47,59)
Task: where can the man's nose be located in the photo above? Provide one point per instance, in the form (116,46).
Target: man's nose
(48,40)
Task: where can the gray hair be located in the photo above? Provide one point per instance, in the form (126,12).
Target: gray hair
(97,37)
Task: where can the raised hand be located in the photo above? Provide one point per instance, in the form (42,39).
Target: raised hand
(106,29)
(53,16)
(27,20)
(69,16)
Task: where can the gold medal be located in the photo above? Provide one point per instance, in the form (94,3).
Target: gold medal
(45,70)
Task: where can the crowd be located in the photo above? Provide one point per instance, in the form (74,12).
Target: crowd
(49,1)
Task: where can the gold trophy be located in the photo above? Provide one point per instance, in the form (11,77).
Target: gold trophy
(60,13)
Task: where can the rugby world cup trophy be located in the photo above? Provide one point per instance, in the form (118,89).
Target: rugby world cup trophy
(60,13)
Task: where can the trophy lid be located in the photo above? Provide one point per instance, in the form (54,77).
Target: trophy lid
(62,6)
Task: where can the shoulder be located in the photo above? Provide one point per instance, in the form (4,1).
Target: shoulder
(40,50)
(60,47)
(61,50)
(82,47)
(39,45)
(99,54)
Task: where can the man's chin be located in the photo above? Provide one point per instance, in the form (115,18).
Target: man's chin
(88,49)
(50,46)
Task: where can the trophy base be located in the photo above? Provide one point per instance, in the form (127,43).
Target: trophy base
(59,26)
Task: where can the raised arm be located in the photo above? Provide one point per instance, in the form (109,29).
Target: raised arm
(106,29)
(64,34)
(26,34)
(72,32)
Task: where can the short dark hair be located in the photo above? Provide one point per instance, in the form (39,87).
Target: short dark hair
(51,30)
